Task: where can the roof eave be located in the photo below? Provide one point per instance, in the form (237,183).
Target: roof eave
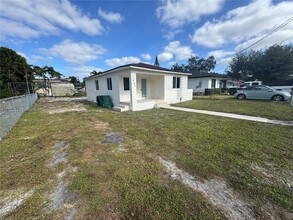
(136,67)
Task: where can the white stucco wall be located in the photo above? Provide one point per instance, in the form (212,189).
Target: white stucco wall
(181,94)
(124,94)
(92,93)
(157,87)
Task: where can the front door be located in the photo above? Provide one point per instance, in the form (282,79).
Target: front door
(143,88)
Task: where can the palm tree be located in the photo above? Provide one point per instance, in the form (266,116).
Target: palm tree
(46,73)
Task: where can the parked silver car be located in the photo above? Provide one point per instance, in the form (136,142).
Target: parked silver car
(262,92)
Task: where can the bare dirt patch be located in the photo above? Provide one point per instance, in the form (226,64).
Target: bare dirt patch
(61,198)
(63,110)
(100,125)
(114,138)
(215,191)
(59,154)
(271,175)
(63,99)
(14,200)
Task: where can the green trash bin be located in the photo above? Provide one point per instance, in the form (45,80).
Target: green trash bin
(107,102)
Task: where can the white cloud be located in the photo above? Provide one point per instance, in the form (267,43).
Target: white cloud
(22,54)
(146,56)
(180,52)
(174,49)
(165,56)
(74,52)
(35,58)
(170,34)
(32,58)
(218,54)
(83,71)
(285,36)
(32,18)
(110,16)
(14,28)
(176,13)
(121,61)
(244,24)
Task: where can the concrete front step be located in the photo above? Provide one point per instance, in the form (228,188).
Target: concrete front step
(121,107)
(161,104)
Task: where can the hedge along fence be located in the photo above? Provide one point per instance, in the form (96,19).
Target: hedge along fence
(212,91)
(11,109)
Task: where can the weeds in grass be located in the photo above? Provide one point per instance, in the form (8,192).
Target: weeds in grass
(132,184)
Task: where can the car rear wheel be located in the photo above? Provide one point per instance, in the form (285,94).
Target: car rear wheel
(277,98)
(241,96)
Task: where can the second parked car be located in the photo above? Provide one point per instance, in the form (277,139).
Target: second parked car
(262,92)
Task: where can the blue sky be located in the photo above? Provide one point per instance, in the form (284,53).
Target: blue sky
(78,36)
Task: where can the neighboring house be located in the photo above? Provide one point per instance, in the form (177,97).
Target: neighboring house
(54,87)
(139,86)
(199,81)
(62,89)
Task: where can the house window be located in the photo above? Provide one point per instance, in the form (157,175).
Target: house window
(126,83)
(109,83)
(97,84)
(213,83)
(176,82)
(199,85)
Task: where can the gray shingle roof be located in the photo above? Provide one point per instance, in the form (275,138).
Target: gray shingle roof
(201,74)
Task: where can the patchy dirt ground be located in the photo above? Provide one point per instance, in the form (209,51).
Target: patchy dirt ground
(116,176)
(214,190)
(61,198)
(13,200)
(271,175)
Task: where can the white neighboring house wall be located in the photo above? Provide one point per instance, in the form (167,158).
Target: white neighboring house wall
(200,84)
(159,87)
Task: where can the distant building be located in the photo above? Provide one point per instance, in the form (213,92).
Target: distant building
(199,81)
(54,87)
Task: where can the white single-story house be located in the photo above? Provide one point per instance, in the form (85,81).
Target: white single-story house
(199,81)
(139,86)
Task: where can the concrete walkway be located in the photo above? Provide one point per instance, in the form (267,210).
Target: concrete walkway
(230,115)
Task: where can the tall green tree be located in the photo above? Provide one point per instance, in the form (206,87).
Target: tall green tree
(75,81)
(13,69)
(195,63)
(273,64)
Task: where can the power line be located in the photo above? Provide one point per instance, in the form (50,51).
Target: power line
(264,37)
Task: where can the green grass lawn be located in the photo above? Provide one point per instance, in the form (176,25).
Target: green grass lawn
(225,103)
(133,184)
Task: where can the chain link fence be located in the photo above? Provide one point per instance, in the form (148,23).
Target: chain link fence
(11,109)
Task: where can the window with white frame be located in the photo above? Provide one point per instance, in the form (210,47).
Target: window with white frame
(176,82)
(97,84)
(109,83)
(126,83)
